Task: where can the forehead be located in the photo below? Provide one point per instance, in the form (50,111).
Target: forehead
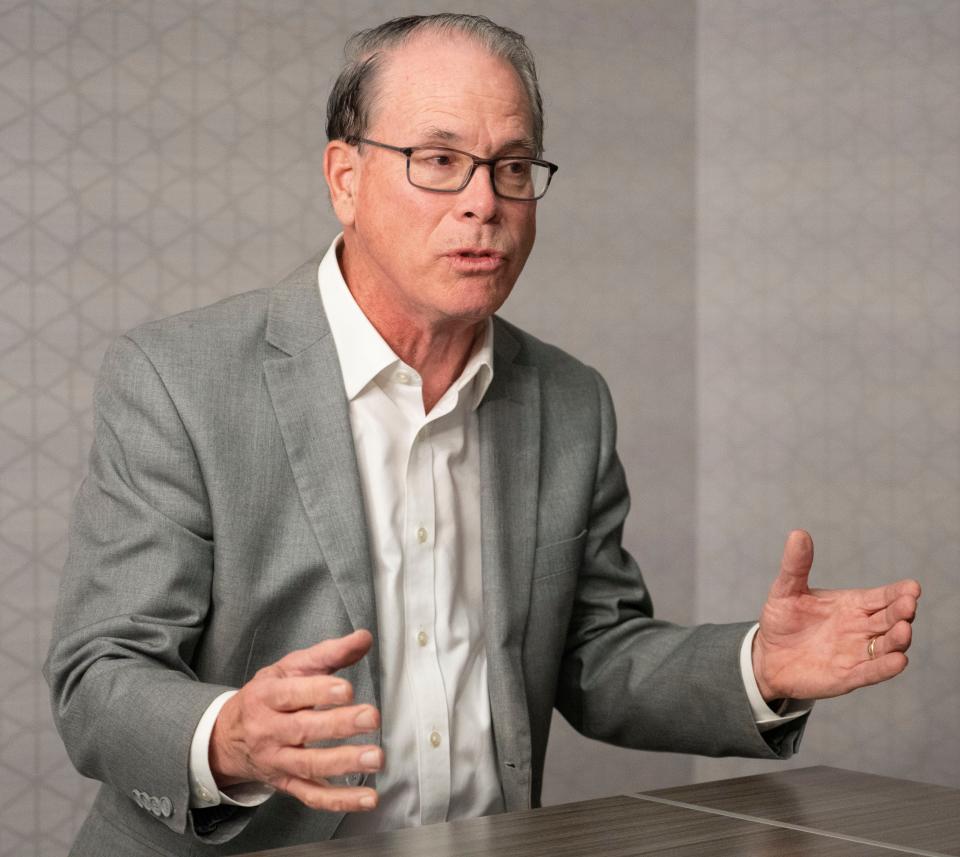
(449,83)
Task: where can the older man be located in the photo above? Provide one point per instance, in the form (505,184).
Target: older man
(367,448)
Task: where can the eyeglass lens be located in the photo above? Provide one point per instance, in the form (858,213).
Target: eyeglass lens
(442,169)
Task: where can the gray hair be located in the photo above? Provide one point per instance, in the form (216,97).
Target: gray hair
(349,105)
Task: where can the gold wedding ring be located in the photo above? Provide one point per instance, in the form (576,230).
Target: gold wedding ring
(872,648)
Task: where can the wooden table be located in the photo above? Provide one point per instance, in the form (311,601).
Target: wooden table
(915,818)
(808,812)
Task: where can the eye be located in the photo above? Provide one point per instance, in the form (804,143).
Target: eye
(437,160)
(514,170)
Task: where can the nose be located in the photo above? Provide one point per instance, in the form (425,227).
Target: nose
(477,200)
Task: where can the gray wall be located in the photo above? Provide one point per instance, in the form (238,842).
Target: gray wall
(828,298)
(753,235)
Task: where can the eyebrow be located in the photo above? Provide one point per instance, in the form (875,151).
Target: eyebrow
(434,134)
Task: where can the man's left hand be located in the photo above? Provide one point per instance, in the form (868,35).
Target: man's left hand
(817,643)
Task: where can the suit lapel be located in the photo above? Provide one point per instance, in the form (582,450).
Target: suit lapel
(509,418)
(306,388)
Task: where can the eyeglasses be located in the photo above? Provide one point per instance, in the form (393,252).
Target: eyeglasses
(444,170)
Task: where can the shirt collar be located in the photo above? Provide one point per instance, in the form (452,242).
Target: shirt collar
(479,368)
(362,351)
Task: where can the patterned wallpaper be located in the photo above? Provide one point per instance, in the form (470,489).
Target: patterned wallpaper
(160,154)
(829,337)
(151,159)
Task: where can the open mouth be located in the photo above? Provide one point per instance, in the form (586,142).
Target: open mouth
(476,260)
(471,253)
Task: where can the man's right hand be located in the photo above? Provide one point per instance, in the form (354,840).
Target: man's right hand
(260,733)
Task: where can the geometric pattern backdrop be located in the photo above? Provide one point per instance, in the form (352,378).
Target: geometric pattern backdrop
(157,155)
(829,337)
(147,164)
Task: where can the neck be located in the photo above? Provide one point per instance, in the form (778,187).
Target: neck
(437,348)
(438,352)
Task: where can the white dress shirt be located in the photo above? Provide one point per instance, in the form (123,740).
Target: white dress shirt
(420,475)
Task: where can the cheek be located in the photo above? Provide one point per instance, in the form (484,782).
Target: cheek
(526,233)
(532,229)
(410,217)
(393,223)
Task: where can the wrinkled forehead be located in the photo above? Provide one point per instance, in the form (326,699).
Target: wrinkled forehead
(448,83)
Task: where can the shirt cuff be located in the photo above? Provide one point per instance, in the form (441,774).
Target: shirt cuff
(203,787)
(765,717)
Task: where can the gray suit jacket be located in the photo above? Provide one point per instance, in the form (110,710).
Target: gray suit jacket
(222,526)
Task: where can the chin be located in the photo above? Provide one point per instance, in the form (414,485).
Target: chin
(482,298)
(477,311)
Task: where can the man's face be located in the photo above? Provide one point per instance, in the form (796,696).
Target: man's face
(416,251)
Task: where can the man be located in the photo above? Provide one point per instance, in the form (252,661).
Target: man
(393,521)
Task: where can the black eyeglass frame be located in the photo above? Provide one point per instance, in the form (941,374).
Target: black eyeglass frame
(407,152)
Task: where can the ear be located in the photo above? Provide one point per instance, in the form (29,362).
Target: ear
(340,170)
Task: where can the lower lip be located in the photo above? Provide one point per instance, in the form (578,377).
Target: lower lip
(475,264)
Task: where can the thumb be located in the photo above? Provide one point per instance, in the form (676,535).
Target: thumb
(795,565)
(327,656)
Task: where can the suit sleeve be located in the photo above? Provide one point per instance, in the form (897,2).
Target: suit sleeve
(133,600)
(633,680)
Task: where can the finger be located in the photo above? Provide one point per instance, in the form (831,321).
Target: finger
(319,763)
(329,798)
(795,566)
(308,726)
(878,598)
(875,671)
(311,691)
(897,639)
(327,656)
(903,609)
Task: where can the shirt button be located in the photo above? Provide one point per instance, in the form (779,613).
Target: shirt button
(422,638)
(421,535)
(403,377)
(435,739)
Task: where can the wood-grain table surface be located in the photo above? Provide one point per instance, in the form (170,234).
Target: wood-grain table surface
(808,812)
(912,815)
